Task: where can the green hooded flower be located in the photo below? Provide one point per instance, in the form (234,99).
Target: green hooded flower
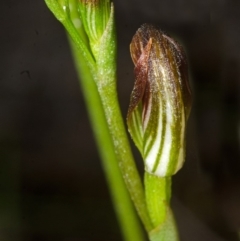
(160,101)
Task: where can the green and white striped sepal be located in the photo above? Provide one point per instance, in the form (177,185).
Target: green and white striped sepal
(160,101)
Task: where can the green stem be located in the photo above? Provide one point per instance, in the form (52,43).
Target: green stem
(158,194)
(124,154)
(127,218)
(105,55)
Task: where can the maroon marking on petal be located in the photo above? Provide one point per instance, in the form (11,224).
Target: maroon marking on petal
(141,77)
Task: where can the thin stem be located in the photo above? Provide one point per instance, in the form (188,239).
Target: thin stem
(106,84)
(123,152)
(158,193)
(127,217)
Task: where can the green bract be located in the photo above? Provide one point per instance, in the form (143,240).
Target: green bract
(160,102)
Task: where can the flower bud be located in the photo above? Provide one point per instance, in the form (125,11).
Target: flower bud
(95,15)
(160,101)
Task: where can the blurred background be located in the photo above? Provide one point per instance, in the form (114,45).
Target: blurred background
(52,186)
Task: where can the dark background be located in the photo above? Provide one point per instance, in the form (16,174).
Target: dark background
(52,187)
